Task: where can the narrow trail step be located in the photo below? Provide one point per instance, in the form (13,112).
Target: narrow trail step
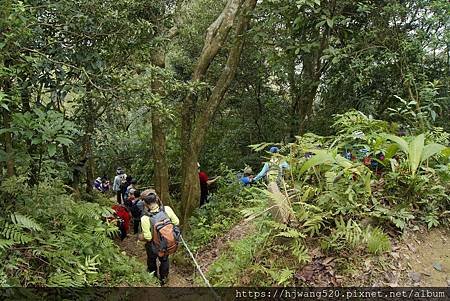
(136,249)
(207,255)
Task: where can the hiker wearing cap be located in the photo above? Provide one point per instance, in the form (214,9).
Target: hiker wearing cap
(204,183)
(118,181)
(247,179)
(98,184)
(274,168)
(159,231)
(130,198)
(131,184)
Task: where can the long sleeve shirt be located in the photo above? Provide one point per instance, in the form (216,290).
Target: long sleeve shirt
(263,172)
(116,183)
(147,227)
(283,165)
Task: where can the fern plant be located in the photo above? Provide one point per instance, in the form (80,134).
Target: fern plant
(346,235)
(377,241)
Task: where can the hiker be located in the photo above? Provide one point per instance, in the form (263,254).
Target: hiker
(137,209)
(247,179)
(272,168)
(130,187)
(130,198)
(105,184)
(118,180)
(159,229)
(123,220)
(98,184)
(124,185)
(204,183)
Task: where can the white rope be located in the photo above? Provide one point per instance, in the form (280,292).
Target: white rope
(198,268)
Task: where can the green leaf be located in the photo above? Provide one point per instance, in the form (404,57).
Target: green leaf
(51,149)
(431,150)
(415,150)
(36,141)
(330,23)
(321,157)
(446,152)
(64,140)
(400,141)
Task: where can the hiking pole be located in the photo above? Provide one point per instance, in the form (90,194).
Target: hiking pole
(198,268)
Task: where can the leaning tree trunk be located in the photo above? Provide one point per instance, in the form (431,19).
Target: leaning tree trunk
(310,79)
(194,132)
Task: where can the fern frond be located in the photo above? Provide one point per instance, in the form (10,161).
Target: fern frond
(16,234)
(300,252)
(281,276)
(291,233)
(5,244)
(377,241)
(25,222)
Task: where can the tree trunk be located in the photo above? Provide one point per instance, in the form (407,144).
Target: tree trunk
(87,145)
(7,141)
(31,148)
(7,136)
(194,131)
(159,136)
(160,158)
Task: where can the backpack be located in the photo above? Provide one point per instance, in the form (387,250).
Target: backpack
(165,235)
(135,210)
(123,181)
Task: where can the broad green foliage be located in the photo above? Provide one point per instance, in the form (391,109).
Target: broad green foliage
(77,90)
(69,242)
(343,203)
(416,151)
(219,214)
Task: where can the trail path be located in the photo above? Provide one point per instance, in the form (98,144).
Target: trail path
(426,256)
(207,255)
(180,276)
(137,249)
(418,258)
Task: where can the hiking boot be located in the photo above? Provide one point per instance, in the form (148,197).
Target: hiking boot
(163,281)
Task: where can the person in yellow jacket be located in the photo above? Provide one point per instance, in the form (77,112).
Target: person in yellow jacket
(155,211)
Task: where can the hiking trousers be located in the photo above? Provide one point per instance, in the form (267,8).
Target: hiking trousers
(136,225)
(119,197)
(152,266)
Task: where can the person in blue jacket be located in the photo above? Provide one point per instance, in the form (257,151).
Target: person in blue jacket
(274,167)
(247,179)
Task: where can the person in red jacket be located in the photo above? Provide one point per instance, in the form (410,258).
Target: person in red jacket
(204,183)
(123,218)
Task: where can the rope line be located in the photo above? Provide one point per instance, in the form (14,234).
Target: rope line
(198,268)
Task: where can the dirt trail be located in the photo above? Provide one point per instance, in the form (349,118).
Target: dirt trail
(426,254)
(136,248)
(180,276)
(207,255)
(418,258)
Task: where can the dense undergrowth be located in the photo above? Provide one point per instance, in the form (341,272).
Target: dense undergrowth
(49,239)
(220,213)
(346,207)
